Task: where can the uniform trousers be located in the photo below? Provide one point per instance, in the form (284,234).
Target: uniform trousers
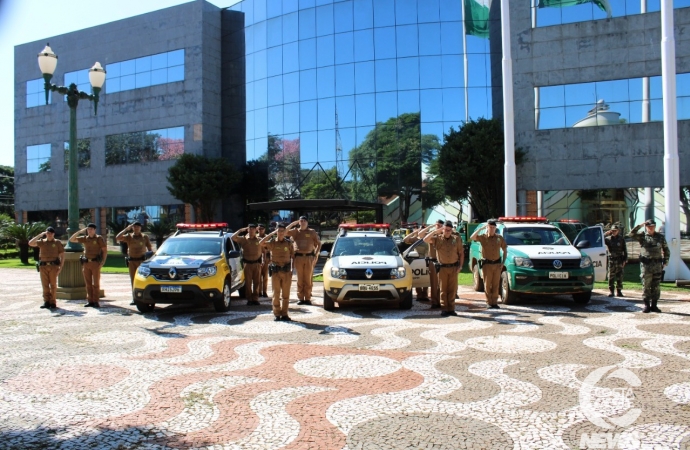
(252,278)
(133,266)
(281,281)
(305,269)
(92,279)
(492,281)
(615,274)
(433,282)
(49,275)
(422,293)
(264,276)
(448,283)
(650,274)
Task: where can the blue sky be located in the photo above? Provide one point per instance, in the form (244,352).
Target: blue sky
(24,21)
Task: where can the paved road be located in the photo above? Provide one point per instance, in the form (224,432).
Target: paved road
(542,374)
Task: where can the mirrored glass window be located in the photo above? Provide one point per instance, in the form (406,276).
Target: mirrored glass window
(553,13)
(35,93)
(364,14)
(406,41)
(136,73)
(324,20)
(344,17)
(408,73)
(325,78)
(38,158)
(307,23)
(83,155)
(144,146)
(364,77)
(364,45)
(384,13)
(344,48)
(81,79)
(307,84)
(384,42)
(326,112)
(325,49)
(345,79)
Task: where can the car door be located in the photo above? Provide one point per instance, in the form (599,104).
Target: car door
(591,242)
(420,272)
(234,263)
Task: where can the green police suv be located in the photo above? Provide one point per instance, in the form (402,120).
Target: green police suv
(542,261)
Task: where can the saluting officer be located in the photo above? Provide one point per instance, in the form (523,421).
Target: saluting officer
(491,263)
(138,244)
(433,274)
(265,261)
(618,257)
(51,258)
(95,254)
(251,256)
(451,256)
(307,246)
(423,250)
(282,253)
(654,256)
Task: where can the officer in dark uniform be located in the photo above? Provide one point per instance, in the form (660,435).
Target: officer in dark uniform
(137,246)
(95,254)
(51,258)
(618,257)
(451,257)
(654,256)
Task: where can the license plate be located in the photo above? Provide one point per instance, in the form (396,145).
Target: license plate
(558,275)
(368,287)
(171,289)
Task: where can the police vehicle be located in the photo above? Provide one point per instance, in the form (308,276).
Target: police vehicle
(542,261)
(199,264)
(365,265)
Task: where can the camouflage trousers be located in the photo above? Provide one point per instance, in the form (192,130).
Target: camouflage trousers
(650,274)
(616,273)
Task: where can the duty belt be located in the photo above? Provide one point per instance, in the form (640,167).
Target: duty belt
(283,268)
(49,263)
(646,259)
(85,259)
(449,265)
(131,258)
(304,254)
(491,261)
(251,261)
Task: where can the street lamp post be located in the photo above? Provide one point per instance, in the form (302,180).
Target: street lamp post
(71,283)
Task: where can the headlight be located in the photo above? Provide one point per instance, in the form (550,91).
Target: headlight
(206,271)
(338,273)
(523,262)
(400,272)
(144,271)
(585,262)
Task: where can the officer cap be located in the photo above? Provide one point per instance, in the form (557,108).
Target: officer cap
(302,217)
(440,222)
(252,225)
(615,227)
(91,225)
(50,230)
(491,222)
(448,223)
(281,225)
(261,225)
(136,224)
(650,222)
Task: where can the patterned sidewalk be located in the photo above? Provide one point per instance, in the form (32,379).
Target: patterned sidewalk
(543,374)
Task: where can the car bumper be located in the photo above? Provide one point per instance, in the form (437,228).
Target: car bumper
(190,294)
(539,282)
(350,292)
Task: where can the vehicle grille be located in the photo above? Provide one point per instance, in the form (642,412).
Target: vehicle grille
(359,274)
(182,274)
(548,263)
(369,295)
(169,296)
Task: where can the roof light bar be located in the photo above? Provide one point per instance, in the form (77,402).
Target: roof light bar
(532,219)
(569,220)
(364,226)
(202,226)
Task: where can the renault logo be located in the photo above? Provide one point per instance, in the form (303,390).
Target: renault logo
(557,264)
(172,273)
(369,273)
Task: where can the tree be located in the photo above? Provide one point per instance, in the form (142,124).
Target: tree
(202,182)
(283,159)
(471,164)
(322,183)
(7,190)
(22,233)
(256,185)
(685,205)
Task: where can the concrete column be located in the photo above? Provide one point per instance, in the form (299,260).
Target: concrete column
(648,203)
(540,203)
(522,202)
(71,284)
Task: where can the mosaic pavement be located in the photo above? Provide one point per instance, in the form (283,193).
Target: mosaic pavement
(542,374)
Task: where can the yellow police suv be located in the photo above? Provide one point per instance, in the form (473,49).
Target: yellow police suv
(199,264)
(365,265)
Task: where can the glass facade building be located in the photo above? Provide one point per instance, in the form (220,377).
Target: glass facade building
(357,90)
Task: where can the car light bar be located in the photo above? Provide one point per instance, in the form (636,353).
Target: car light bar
(531,219)
(202,226)
(568,220)
(364,226)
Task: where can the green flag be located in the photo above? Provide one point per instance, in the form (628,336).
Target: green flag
(602,4)
(477,17)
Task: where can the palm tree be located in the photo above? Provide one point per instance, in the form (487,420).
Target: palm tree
(160,230)
(22,233)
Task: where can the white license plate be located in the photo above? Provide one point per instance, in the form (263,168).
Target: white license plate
(368,287)
(558,275)
(171,289)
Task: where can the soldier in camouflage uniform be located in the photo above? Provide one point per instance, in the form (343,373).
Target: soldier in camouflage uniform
(618,257)
(654,256)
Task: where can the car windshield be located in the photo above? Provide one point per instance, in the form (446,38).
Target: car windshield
(190,246)
(351,246)
(534,236)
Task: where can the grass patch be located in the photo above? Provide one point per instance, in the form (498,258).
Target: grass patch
(114,264)
(631,280)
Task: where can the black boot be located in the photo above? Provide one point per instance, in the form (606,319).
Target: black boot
(654,308)
(611,294)
(646,306)
(619,293)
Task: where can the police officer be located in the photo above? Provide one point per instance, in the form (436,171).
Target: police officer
(307,246)
(492,263)
(433,275)
(618,257)
(95,254)
(451,257)
(654,256)
(51,258)
(251,257)
(265,261)
(137,246)
(282,254)
(423,250)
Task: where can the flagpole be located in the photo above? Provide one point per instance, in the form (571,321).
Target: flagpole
(646,114)
(464,55)
(508,125)
(676,269)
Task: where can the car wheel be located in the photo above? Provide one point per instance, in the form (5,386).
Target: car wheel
(477,282)
(406,301)
(328,303)
(145,307)
(222,304)
(582,298)
(508,297)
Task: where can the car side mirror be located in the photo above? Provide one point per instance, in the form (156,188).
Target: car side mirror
(148,255)
(233,254)
(324,254)
(583,244)
(413,254)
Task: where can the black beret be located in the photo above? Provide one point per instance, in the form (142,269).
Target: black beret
(252,225)
(491,222)
(91,225)
(439,221)
(650,222)
(136,224)
(448,223)
(50,230)
(302,217)
(261,225)
(281,225)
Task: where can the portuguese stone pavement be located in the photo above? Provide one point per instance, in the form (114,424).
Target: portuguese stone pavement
(542,374)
